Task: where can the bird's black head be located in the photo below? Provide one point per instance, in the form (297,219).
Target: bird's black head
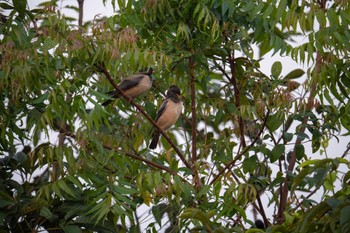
(173,89)
(174,93)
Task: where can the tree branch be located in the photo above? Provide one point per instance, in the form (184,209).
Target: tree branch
(237,94)
(193,109)
(262,211)
(81,12)
(346,150)
(137,157)
(196,177)
(101,68)
(292,160)
(240,154)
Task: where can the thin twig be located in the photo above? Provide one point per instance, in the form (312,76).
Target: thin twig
(137,157)
(308,196)
(293,158)
(262,211)
(103,70)
(237,94)
(240,154)
(81,12)
(196,177)
(346,151)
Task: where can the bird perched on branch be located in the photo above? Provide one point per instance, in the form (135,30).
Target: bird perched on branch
(133,86)
(168,113)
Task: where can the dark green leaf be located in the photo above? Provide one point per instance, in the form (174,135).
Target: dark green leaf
(344,219)
(302,135)
(300,151)
(288,137)
(5,6)
(277,152)
(45,212)
(158,212)
(274,122)
(20,7)
(250,164)
(71,229)
(297,73)
(318,210)
(4,203)
(276,69)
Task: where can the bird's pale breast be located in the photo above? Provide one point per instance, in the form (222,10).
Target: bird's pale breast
(170,115)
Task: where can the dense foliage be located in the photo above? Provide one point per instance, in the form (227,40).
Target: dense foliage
(247,138)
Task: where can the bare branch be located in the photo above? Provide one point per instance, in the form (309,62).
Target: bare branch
(81,12)
(137,157)
(293,157)
(237,94)
(103,70)
(196,177)
(240,154)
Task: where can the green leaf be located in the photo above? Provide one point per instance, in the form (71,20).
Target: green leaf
(255,230)
(344,219)
(318,210)
(45,212)
(300,151)
(124,190)
(4,203)
(71,229)
(75,181)
(289,218)
(297,73)
(20,7)
(250,164)
(193,213)
(345,79)
(268,11)
(346,178)
(224,7)
(288,137)
(277,152)
(315,162)
(329,182)
(320,176)
(264,48)
(63,186)
(302,135)
(20,157)
(276,69)
(157,178)
(158,212)
(279,229)
(5,6)
(274,122)
(204,190)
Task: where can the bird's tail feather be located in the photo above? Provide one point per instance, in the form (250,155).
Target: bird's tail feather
(155,140)
(113,94)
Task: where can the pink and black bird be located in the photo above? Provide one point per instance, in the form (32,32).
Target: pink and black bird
(133,86)
(168,113)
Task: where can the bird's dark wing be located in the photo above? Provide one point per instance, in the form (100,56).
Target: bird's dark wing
(130,82)
(162,109)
